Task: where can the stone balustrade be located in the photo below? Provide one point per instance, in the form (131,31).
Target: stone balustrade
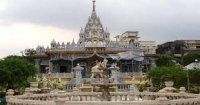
(123,74)
(56,75)
(33,99)
(94,98)
(122,46)
(123,87)
(69,87)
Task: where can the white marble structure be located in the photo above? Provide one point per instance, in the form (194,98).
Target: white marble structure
(94,43)
(78,70)
(118,98)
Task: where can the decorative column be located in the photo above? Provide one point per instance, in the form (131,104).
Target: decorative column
(77,71)
(37,63)
(114,70)
(140,68)
(50,66)
(72,66)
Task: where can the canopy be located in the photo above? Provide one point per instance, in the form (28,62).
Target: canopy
(193,65)
(138,56)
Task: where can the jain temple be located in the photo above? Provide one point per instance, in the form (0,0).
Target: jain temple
(97,71)
(94,45)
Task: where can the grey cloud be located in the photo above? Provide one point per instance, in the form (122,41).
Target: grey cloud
(158,20)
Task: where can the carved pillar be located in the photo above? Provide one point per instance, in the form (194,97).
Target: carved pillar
(50,66)
(37,64)
(140,68)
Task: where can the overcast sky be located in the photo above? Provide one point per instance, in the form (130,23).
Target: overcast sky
(29,23)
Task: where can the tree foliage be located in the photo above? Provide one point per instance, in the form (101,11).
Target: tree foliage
(15,71)
(28,53)
(164,60)
(160,74)
(194,76)
(189,58)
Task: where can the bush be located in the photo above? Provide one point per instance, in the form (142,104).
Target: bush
(16,71)
(165,60)
(33,79)
(40,84)
(160,74)
(195,89)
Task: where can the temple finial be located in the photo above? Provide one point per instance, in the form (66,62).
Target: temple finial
(94,5)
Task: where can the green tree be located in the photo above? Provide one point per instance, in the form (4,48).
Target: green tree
(28,53)
(160,74)
(194,76)
(15,71)
(189,58)
(164,60)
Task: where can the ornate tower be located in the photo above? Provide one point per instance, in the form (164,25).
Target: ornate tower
(94,31)
(53,44)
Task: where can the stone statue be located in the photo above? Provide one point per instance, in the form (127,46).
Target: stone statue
(99,69)
(103,80)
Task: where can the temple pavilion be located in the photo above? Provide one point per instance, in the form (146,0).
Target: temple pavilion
(95,45)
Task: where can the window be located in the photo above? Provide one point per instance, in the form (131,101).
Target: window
(198,47)
(177,50)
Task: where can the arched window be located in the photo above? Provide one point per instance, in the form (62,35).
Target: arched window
(131,43)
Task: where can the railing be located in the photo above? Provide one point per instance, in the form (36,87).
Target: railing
(95,45)
(113,46)
(33,99)
(61,75)
(56,75)
(123,87)
(123,74)
(69,87)
(94,98)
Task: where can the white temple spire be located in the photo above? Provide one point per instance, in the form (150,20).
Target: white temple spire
(93,27)
(94,15)
(94,7)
